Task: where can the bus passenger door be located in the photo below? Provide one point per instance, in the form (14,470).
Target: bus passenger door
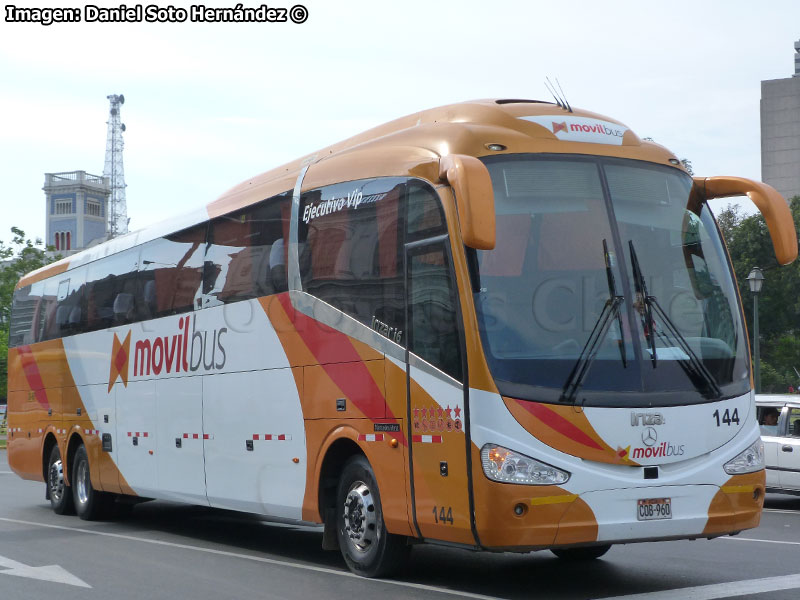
(436,396)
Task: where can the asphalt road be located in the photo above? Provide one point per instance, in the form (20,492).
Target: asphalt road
(166,550)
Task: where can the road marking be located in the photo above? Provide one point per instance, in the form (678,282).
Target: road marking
(270,561)
(731,589)
(6,472)
(52,573)
(781,510)
(738,539)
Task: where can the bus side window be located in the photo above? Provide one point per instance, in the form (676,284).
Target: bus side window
(425,217)
(350,250)
(24,307)
(432,315)
(47,328)
(433,324)
(246,254)
(110,290)
(171,273)
(71,298)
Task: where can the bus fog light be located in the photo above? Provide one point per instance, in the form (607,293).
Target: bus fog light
(749,461)
(507,466)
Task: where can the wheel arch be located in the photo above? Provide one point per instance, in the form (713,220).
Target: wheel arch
(337,454)
(47,449)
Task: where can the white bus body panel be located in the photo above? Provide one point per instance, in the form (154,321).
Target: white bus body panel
(228,381)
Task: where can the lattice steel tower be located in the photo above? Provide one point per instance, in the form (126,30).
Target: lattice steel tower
(114,171)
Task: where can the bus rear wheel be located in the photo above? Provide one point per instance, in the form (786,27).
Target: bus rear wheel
(58,492)
(368,549)
(582,553)
(90,504)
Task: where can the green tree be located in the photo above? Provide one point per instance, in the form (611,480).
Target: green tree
(728,220)
(784,355)
(750,246)
(21,256)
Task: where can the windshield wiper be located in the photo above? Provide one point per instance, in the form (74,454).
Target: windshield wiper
(693,366)
(645,300)
(612,293)
(607,315)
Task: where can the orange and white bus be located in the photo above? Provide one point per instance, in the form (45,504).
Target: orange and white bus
(504,325)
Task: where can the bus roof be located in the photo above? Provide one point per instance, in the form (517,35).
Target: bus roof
(410,146)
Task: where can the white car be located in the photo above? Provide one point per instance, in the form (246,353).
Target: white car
(779,418)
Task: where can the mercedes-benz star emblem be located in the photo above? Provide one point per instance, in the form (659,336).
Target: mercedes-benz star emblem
(649,436)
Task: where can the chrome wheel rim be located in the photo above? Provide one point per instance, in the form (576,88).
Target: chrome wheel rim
(360,517)
(56,481)
(82,482)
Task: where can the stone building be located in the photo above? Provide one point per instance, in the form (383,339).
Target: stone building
(780,131)
(77,210)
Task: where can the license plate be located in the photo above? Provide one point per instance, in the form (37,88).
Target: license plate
(651,509)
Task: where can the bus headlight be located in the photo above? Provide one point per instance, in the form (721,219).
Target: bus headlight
(749,461)
(507,466)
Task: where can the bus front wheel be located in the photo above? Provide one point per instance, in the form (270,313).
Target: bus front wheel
(368,549)
(90,504)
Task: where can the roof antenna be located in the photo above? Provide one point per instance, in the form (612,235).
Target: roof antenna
(563,95)
(552,91)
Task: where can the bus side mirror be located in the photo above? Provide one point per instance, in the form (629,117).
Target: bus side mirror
(768,201)
(472,185)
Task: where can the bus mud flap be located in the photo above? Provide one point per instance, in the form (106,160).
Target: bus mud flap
(330,541)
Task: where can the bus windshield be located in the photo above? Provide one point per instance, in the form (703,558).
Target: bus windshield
(608,286)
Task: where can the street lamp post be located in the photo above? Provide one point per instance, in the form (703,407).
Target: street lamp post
(756,279)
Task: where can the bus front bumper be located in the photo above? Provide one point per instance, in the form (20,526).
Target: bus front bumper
(613,516)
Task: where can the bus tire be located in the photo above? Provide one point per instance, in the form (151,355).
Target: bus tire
(582,553)
(90,504)
(368,549)
(58,492)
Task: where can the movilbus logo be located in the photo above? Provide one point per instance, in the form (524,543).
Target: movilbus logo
(189,350)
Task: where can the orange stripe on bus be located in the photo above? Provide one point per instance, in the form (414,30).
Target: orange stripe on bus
(34,377)
(331,348)
(560,424)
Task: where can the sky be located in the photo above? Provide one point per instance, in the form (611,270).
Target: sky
(208,105)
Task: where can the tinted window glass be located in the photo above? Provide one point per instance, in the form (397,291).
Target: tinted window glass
(71,312)
(425,216)
(433,325)
(46,315)
(111,291)
(23,312)
(246,256)
(160,278)
(171,273)
(351,250)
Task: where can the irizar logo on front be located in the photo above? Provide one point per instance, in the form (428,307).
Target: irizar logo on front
(182,352)
(647,418)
